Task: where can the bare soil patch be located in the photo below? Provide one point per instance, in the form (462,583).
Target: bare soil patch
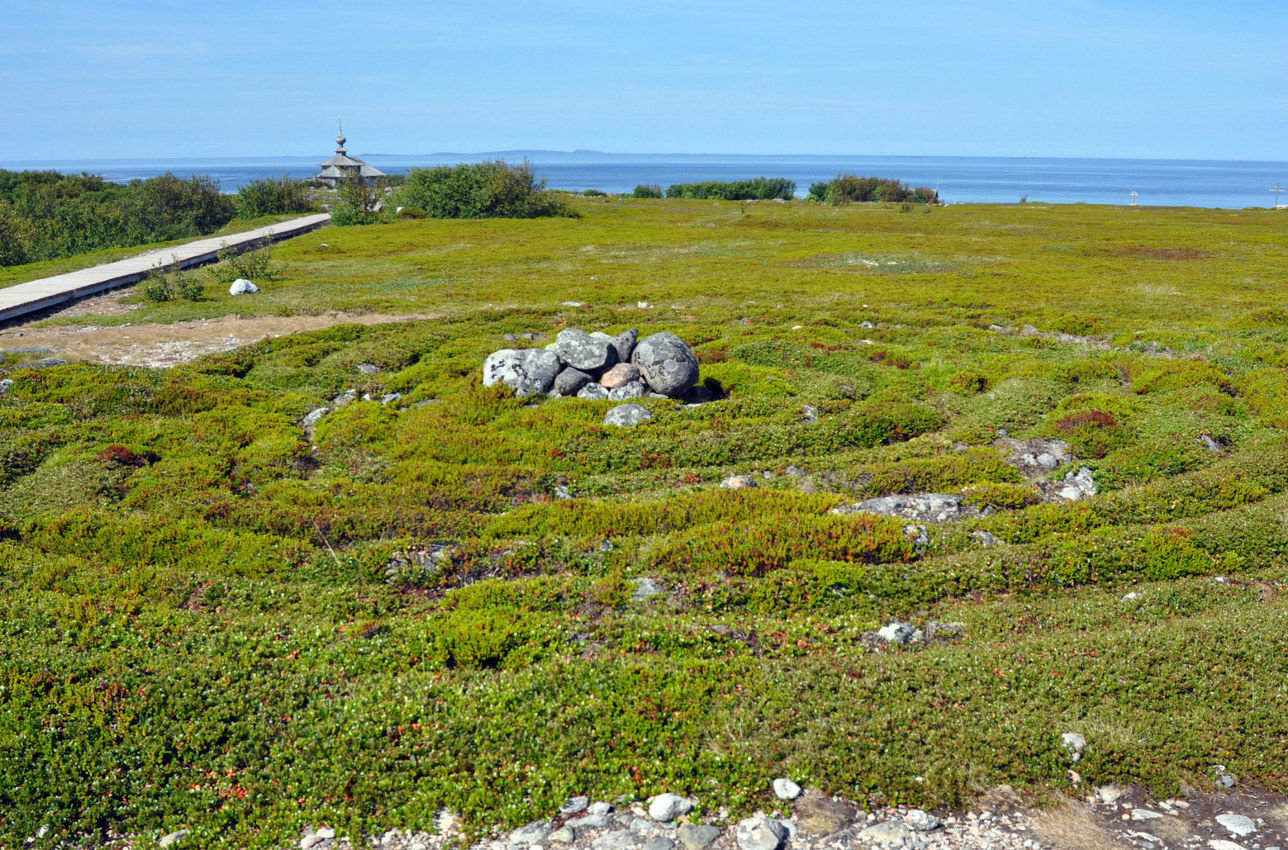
(165,345)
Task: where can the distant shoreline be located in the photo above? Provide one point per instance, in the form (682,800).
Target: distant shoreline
(1217,184)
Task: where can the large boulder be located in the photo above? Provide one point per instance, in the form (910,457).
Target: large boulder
(666,363)
(583,351)
(527,371)
(569,380)
(624,344)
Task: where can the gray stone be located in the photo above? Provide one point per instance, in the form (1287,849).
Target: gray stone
(660,842)
(1073,744)
(624,344)
(1222,844)
(920,507)
(580,350)
(626,415)
(738,482)
(600,808)
(594,820)
(665,807)
(622,373)
(527,371)
(818,814)
(570,380)
(667,364)
(533,833)
(349,396)
(922,820)
(698,836)
(1144,814)
(1210,444)
(563,835)
(575,805)
(1109,793)
(891,835)
(641,827)
(1078,485)
(621,839)
(242,286)
(314,416)
(173,839)
(809,413)
(634,389)
(1238,825)
(937,630)
(785,789)
(6,385)
(897,633)
(368,368)
(593,392)
(645,589)
(985,538)
(326,833)
(310,841)
(759,833)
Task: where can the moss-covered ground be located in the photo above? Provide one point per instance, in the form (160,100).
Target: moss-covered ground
(211,618)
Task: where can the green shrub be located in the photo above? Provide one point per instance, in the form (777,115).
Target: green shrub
(759,189)
(273,196)
(849,189)
(651,190)
(255,263)
(480,190)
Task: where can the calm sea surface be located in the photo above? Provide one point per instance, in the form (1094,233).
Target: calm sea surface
(1157,182)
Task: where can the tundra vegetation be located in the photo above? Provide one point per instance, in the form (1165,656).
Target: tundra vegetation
(216,617)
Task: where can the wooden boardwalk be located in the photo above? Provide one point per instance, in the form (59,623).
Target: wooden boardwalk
(49,292)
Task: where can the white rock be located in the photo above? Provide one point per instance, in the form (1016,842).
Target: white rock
(173,838)
(785,789)
(665,807)
(242,286)
(896,632)
(326,833)
(1222,844)
(1144,814)
(1074,744)
(1239,825)
(921,820)
(759,833)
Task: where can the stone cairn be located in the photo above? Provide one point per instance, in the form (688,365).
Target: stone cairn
(601,366)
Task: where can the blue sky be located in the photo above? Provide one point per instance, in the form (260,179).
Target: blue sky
(1131,78)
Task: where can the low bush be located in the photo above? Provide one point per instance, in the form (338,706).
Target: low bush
(273,196)
(479,190)
(651,190)
(849,189)
(758,189)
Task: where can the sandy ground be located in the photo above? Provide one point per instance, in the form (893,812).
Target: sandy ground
(159,345)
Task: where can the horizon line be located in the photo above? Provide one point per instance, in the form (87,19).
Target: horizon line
(594,152)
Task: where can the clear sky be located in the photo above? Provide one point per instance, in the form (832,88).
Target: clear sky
(90,79)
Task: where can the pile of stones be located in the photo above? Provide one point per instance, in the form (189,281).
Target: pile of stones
(598,366)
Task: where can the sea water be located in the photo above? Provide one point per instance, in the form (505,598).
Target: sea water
(959,179)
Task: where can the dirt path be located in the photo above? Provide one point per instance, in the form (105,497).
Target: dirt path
(160,345)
